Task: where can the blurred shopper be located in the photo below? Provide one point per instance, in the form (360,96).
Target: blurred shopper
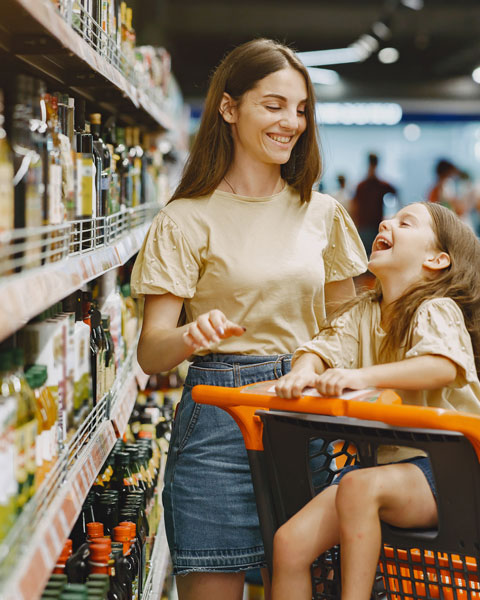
(342,193)
(443,190)
(367,204)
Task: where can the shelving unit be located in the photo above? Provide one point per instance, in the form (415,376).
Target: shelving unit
(28,293)
(36,39)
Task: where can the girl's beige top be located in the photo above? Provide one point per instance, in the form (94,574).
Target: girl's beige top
(437,328)
(262,261)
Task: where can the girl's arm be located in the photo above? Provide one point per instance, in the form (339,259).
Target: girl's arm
(304,373)
(337,293)
(163,345)
(427,372)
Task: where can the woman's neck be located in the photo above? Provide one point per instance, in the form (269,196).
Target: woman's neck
(248,178)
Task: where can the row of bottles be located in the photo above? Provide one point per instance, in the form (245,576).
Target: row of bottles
(53,372)
(115,531)
(106,25)
(58,163)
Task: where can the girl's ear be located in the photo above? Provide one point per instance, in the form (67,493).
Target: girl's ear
(437,262)
(228,108)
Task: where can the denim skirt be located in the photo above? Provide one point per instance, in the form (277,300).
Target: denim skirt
(209,503)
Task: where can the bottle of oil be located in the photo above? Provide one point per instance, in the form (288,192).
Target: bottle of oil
(8,416)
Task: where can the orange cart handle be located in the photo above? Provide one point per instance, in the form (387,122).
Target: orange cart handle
(242,403)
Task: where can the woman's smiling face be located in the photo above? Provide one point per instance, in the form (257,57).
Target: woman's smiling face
(269,118)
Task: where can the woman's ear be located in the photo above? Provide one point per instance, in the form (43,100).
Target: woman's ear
(228,108)
(437,262)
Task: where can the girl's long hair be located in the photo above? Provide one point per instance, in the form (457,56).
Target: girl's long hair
(460,281)
(213,148)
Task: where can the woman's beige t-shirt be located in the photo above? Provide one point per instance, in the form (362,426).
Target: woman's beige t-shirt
(262,261)
(438,328)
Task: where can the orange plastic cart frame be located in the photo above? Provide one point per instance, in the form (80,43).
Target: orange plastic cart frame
(408,572)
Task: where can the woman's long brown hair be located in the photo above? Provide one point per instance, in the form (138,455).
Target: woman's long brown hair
(212,151)
(460,282)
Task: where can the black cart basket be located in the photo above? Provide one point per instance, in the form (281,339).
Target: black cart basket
(295,447)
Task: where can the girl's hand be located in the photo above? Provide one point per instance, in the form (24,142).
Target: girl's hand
(210,328)
(292,384)
(334,381)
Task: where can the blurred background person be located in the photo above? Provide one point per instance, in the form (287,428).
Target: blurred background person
(342,193)
(367,203)
(443,190)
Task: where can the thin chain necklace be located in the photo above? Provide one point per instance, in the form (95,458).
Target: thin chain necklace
(229,185)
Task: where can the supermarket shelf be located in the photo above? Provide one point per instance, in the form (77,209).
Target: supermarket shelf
(40,39)
(27,294)
(30,551)
(124,394)
(30,574)
(159,563)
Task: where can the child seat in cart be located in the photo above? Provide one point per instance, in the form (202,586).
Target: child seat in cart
(295,447)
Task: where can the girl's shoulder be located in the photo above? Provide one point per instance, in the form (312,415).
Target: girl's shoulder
(444,308)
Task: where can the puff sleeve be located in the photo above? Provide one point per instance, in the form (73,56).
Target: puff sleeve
(337,346)
(165,262)
(344,255)
(439,328)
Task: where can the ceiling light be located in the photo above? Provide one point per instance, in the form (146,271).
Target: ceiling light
(358,113)
(381,30)
(323,76)
(388,55)
(369,42)
(413,4)
(412,132)
(335,56)
(476,75)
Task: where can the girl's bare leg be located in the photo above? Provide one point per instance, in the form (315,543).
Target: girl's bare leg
(397,494)
(309,533)
(210,586)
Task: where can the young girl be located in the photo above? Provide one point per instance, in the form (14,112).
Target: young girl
(417,332)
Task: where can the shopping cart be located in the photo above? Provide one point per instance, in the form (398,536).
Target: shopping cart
(295,447)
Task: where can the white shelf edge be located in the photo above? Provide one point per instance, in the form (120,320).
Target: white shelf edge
(32,572)
(26,295)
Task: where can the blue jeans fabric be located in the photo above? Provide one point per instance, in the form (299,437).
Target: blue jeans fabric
(422,462)
(209,503)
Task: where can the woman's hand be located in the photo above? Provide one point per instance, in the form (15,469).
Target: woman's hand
(335,381)
(210,328)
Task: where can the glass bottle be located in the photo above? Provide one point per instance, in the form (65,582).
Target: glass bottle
(25,431)
(8,483)
(7,205)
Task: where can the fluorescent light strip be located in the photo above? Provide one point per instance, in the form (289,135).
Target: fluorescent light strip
(335,56)
(323,76)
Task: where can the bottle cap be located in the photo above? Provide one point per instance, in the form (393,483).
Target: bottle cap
(131,526)
(99,552)
(96,118)
(121,533)
(94,530)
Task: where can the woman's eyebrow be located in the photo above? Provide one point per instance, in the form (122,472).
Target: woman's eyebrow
(280,97)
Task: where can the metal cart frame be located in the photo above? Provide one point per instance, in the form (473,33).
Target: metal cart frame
(414,564)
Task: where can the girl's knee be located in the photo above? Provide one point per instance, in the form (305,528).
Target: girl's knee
(286,546)
(356,489)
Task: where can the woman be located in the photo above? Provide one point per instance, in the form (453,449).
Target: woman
(254,256)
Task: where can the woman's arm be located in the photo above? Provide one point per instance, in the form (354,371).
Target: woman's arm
(337,293)
(426,372)
(163,345)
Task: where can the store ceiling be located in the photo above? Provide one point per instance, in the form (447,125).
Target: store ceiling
(439,45)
